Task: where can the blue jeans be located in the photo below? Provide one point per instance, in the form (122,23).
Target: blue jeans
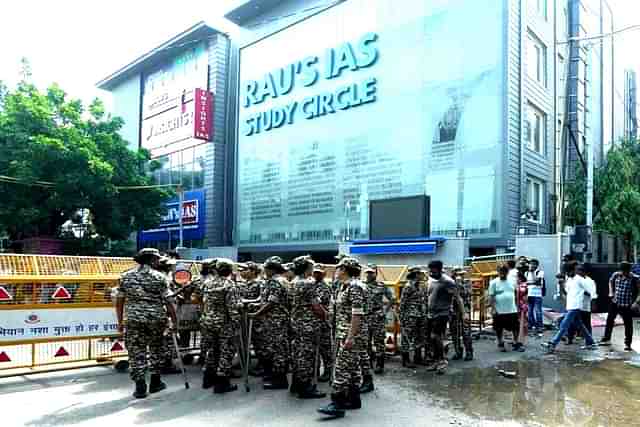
(535,313)
(572,318)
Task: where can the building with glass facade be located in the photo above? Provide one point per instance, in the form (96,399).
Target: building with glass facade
(342,103)
(173,102)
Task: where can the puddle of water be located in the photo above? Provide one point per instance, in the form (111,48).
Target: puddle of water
(555,391)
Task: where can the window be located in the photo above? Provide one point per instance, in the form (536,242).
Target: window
(536,59)
(184,167)
(535,200)
(541,8)
(535,129)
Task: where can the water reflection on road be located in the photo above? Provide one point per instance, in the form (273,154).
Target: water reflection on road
(552,391)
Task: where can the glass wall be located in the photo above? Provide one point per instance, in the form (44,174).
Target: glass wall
(373,100)
(185,167)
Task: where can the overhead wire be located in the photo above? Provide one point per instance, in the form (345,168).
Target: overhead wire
(11,180)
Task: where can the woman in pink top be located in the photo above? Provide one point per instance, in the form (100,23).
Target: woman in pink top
(522,301)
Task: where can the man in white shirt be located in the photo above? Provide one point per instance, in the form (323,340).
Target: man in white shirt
(576,287)
(585,312)
(535,292)
(512,275)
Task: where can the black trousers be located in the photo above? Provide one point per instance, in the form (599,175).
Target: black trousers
(627,318)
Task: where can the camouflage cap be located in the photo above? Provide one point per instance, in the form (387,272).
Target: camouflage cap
(318,268)
(252,266)
(341,256)
(371,268)
(148,251)
(416,269)
(274,263)
(350,262)
(165,260)
(209,262)
(303,261)
(224,263)
(242,266)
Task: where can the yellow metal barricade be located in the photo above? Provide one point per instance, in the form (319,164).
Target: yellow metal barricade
(56,312)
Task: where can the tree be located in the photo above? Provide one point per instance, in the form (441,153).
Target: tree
(616,199)
(66,159)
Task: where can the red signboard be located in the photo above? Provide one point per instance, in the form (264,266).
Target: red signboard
(203,118)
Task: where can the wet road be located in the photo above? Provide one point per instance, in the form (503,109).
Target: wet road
(571,388)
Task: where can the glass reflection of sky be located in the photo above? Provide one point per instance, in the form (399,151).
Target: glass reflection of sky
(440,66)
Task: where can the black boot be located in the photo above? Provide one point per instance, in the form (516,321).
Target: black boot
(457,356)
(258,371)
(209,378)
(379,366)
(417,357)
(367,385)
(223,385)
(336,408)
(278,382)
(296,386)
(267,371)
(309,391)
(468,356)
(406,361)
(353,401)
(155,385)
(141,390)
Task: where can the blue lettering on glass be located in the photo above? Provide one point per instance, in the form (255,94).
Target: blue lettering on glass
(368,50)
(346,57)
(309,73)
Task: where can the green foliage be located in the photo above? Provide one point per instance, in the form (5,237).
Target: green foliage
(48,137)
(616,200)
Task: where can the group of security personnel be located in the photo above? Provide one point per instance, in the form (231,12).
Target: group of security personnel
(297,320)
(427,308)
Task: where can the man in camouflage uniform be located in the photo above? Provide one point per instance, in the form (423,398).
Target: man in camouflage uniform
(460,321)
(412,316)
(207,271)
(250,272)
(143,295)
(273,310)
(323,291)
(166,266)
(376,319)
(219,322)
(307,318)
(351,336)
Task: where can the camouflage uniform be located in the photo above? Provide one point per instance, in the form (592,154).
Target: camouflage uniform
(412,316)
(459,323)
(376,318)
(145,291)
(219,322)
(324,295)
(365,355)
(306,326)
(276,321)
(254,289)
(351,300)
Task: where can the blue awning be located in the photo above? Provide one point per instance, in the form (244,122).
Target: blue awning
(394,248)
